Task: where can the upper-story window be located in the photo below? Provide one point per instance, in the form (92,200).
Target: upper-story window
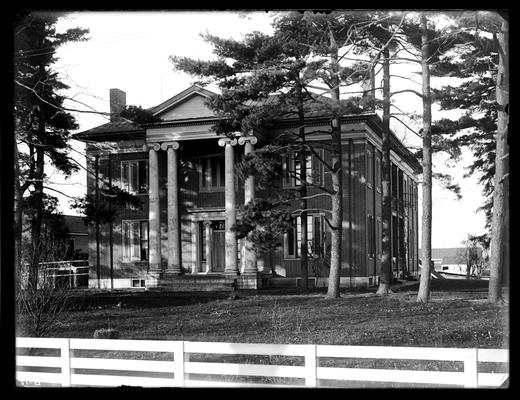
(212,173)
(134,176)
(370,167)
(292,169)
(378,174)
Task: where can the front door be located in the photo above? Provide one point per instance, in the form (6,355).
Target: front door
(219,251)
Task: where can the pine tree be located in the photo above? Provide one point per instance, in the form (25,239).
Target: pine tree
(281,64)
(42,126)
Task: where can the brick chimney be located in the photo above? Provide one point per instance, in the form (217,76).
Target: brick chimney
(117,103)
(368,87)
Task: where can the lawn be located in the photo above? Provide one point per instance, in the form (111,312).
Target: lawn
(457,316)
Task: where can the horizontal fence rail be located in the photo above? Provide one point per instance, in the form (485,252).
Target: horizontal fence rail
(149,363)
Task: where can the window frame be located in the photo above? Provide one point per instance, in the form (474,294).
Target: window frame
(206,174)
(315,237)
(292,164)
(128,242)
(370,167)
(126,184)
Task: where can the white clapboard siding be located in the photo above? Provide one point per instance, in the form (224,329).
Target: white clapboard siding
(123,364)
(391,375)
(114,380)
(244,369)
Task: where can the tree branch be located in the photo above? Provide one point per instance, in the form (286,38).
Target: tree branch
(407,91)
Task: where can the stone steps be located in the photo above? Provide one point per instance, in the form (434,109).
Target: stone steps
(190,283)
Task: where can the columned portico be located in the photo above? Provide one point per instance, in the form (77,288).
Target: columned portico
(231,267)
(174,254)
(250,262)
(153,210)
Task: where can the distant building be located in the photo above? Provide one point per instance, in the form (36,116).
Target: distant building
(452,260)
(184,174)
(76,236)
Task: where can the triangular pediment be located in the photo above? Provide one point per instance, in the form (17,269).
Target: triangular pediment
(187,104)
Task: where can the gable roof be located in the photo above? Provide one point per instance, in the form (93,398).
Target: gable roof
(179,98)
(126,129)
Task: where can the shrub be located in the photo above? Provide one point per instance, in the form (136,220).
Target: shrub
(106,333)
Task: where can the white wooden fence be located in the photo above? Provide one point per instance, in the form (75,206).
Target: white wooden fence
(176,370)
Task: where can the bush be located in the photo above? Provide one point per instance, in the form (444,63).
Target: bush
(106,333)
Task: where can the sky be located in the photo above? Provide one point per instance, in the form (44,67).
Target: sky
(130,51)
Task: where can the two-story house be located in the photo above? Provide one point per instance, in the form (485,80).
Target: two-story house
(185,175)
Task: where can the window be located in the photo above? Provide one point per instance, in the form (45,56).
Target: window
(134,176)
(378,173)
(212,173)
(370,168)
(315,233)
(394,180)
(135,240)
(378,237)
(371,237)
(292,169)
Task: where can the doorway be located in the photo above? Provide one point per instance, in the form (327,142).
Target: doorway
(217,242)
(219,250)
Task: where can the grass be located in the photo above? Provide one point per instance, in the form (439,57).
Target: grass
(457,316)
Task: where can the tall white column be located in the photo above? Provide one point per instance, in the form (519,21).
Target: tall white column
(231,267)
(154,234)
(174,253)
(250,261)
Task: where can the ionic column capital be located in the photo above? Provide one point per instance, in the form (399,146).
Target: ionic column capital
(225,141)
(247,139)
(173,145)
(151,146)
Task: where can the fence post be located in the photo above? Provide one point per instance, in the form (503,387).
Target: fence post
(65,362)
(179,364)
(311,366)
(471,369)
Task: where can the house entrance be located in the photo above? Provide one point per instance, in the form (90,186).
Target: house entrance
(213,234)
(219,246)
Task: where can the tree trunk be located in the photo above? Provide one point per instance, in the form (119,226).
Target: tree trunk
(303,205)
(36,223)
(500,218)
(385,280)
(18,214)
(98,236)
(337,184)
(424,286)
